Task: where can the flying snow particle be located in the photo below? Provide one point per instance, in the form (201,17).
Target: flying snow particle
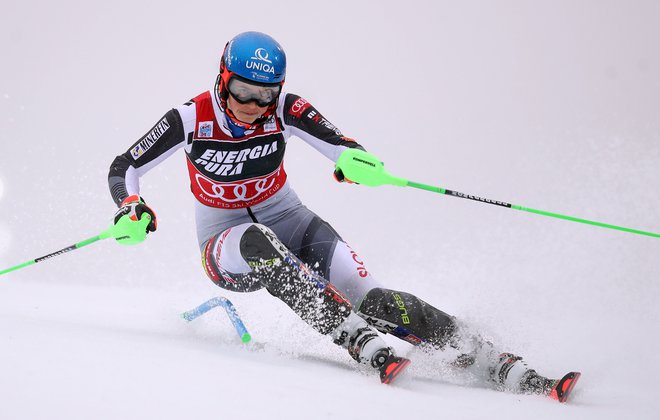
(2,189)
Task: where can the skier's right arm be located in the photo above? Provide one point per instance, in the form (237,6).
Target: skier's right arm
(163,139)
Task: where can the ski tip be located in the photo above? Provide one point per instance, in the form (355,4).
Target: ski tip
(564,386)
(392,368)
(246,337)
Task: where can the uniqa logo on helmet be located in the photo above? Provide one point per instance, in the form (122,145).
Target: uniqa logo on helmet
(259,61)
(262,55)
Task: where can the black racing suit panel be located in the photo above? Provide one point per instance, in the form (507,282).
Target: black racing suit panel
(305,119)
(149,150)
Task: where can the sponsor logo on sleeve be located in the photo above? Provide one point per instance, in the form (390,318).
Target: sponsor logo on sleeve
(298,107)
(317,118)
(150,139)
(205,130)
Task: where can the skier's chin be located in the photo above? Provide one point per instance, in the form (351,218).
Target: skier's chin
(247,118)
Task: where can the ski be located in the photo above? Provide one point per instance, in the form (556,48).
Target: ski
(392,368)
(564,386)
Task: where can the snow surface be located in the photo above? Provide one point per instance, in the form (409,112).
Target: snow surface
(548,104)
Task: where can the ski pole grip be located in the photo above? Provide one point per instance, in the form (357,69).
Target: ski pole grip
(365,168)
(127,231)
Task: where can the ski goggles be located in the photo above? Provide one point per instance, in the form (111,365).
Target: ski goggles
(244,92)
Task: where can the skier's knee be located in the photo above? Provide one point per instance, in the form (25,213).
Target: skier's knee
(407,317)
(286,277)
(229,258)
(259,245)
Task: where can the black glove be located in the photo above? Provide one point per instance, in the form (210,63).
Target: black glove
(134,207)
(339,177)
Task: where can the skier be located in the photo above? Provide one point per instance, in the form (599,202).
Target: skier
(254,232)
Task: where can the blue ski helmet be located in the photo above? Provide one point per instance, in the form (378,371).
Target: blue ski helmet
(256,57)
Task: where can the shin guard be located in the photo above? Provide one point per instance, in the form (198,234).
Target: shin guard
(286,277)
(407,317)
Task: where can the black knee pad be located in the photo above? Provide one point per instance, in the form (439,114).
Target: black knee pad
(286,277)
(407,317)
(260,244)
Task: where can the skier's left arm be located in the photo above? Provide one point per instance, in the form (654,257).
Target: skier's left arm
(307,123)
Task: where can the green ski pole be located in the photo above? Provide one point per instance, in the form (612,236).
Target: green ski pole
(364,168)
(126,232)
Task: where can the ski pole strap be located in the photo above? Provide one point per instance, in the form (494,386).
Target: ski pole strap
(53,254)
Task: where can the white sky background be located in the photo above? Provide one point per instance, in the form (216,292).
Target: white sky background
(553,105)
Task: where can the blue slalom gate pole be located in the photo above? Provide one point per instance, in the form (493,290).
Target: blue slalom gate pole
(229,308)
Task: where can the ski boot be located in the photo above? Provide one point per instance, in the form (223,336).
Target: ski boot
(389,365)
(557,389)
(367,347)
(511,373)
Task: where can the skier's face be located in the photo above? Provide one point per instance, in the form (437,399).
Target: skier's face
(247,113)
